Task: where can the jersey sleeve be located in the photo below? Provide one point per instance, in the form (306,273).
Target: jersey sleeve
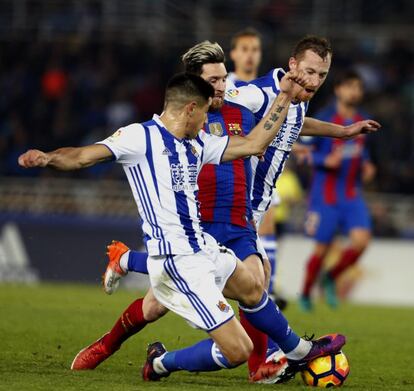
(213,147)
(249,96)
(127,144)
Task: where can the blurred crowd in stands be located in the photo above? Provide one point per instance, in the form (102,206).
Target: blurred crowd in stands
(74,91)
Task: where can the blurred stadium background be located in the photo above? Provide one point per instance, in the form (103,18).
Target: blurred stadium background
(72,72)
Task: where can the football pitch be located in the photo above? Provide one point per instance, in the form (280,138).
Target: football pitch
(43,327)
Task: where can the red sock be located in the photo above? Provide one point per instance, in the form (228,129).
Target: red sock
(131,321)
(259,339)
(348,258)
(313,268)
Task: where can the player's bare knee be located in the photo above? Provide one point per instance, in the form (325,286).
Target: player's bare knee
(254,295)
(152,309)
(239,353)
(155,312)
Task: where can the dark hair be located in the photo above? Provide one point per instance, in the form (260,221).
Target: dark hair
(321,46)
(344,76)
(184,87)
(205,52)
(247,32)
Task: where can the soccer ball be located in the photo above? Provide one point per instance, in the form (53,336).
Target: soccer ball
(326,371)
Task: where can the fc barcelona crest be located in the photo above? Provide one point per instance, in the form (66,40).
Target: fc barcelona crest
(235,129)
(215,128)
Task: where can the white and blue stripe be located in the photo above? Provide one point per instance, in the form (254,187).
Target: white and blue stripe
(166,196)
(201,309)
(259,96)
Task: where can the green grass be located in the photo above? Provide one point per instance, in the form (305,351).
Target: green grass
(43,327)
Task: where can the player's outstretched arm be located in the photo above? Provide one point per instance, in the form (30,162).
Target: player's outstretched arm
(314,127)
(256,142)
(66,159)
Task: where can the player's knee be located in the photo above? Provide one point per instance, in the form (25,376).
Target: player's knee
(360,242)
(239,353)
(267,272)
(254,294)
(153,310)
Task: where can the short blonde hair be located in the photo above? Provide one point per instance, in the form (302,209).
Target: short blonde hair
(205,52)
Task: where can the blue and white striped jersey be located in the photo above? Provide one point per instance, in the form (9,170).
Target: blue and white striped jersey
(162,172)
(258,96)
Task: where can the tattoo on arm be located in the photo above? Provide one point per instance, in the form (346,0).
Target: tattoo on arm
(268,125)
(273,117)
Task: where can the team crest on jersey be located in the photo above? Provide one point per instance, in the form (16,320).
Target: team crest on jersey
(115,135)
(235,129)
(223,307)
(215,128)
(194,151)
(232,93)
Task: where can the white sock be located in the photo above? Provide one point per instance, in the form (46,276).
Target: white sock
(300,351)
(123,262)
(158,365)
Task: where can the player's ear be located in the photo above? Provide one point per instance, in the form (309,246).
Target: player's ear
(190,108)
(293,64)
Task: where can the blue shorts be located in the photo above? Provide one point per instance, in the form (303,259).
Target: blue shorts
(241,240)
(324,221)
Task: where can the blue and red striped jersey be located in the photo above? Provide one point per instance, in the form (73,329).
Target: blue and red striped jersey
(224,189)
(331,186)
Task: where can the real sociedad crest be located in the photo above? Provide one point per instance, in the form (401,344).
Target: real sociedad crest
(215,128)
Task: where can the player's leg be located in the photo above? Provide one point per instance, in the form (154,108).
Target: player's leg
(265,316)
(259,339)
(357,224)
(242,241)
(138,314)
(190,286)
(121,261)
(199,282)
(359,239)
(227,347)
(266,233)
(321,224)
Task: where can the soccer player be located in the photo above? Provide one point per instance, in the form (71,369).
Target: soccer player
(336,202)
(252,261)
(187,268)
(246,54)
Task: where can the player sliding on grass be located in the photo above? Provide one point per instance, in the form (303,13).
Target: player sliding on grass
(162,159)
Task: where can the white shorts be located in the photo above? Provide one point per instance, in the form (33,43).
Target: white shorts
(191,285)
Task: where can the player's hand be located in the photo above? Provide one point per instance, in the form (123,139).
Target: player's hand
(334,159)
(33,158)
(293,82)
(361,127)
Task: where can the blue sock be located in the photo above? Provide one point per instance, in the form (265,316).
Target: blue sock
(266,317)
(270,245)
(137,262)
(272,346)
(204,356)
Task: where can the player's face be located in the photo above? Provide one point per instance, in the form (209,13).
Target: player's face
(197,117)
(247,54)
(315,67)
(216,75)
(350,92)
